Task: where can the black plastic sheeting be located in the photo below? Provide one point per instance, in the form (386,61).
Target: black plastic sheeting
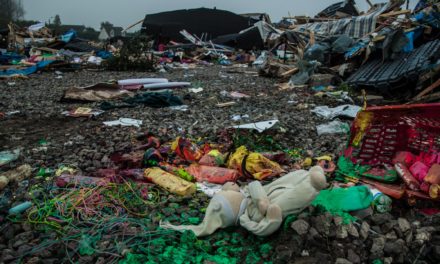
(397,74)
(3,38)
(212,22)
(76,45)
(248,40)
(347,7)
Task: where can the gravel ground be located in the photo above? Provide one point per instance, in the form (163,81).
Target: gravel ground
(77,140)
(403,236)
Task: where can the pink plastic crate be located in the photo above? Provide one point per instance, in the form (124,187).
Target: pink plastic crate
(379,132)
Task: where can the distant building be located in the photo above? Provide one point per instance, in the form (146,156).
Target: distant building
(110,32)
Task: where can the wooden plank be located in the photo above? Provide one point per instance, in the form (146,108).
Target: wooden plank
(428,89)
(290,72)
(226,104)
(395,13)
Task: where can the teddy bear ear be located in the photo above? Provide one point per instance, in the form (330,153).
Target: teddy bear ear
(317,169)
(230,186)
(317,178)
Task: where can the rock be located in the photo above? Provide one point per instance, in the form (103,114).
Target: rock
(403,224)
(85,259)
(26,227)
(352,230)
(395,247)
(283,253)
(416,224)
(45,254)
(380,219)
(376,229)
(103,245)
(8,233)
(105,159)
(342,261)
(7,254)
(361,214)
(436,251)
(23,249)
(338,220)
(341,232)
(365,229)
(378,245)
(322,224)
(101,260)
(338,249)
(33,260)
(409,237)
(17,243)
(313,232)
(388,260)
(300,226)
(305,260)
(391,235)
(25,236)
(353,257)
(388,226)
(422,236)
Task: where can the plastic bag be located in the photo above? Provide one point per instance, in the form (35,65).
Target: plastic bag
(407,177)
(433,175)
(212,174)
(342,110)
(170,182)
(419,170)
(186,149)
(212,158)
(404,157)
(253,164)
(334,127)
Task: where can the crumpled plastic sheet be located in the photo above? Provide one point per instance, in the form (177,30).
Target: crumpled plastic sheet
(259,126)
(210,189)
(124,122)
(334,127)
(342,110)
(8,156)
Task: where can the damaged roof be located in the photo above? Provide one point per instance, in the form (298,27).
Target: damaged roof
(196,21)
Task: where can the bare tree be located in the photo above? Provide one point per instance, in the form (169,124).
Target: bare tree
(57,21)
(11,10)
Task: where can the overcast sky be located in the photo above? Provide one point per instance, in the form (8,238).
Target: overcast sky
(125,12)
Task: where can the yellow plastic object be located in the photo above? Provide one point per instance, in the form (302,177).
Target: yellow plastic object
(326,157)
(362,122)
(256,164)
(434,191)
(170,182)
(64,170)
(307,162)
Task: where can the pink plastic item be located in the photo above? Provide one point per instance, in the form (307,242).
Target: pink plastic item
(428,158)
(419,170)
(212,174)
(406,176)
(404,157)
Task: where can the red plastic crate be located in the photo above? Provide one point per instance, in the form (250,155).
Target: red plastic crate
(379,132)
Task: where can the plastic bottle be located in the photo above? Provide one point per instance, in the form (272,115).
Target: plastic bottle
(170,182)
(20,208)
(381,202)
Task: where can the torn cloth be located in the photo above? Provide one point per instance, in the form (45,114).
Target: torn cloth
(356,27)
